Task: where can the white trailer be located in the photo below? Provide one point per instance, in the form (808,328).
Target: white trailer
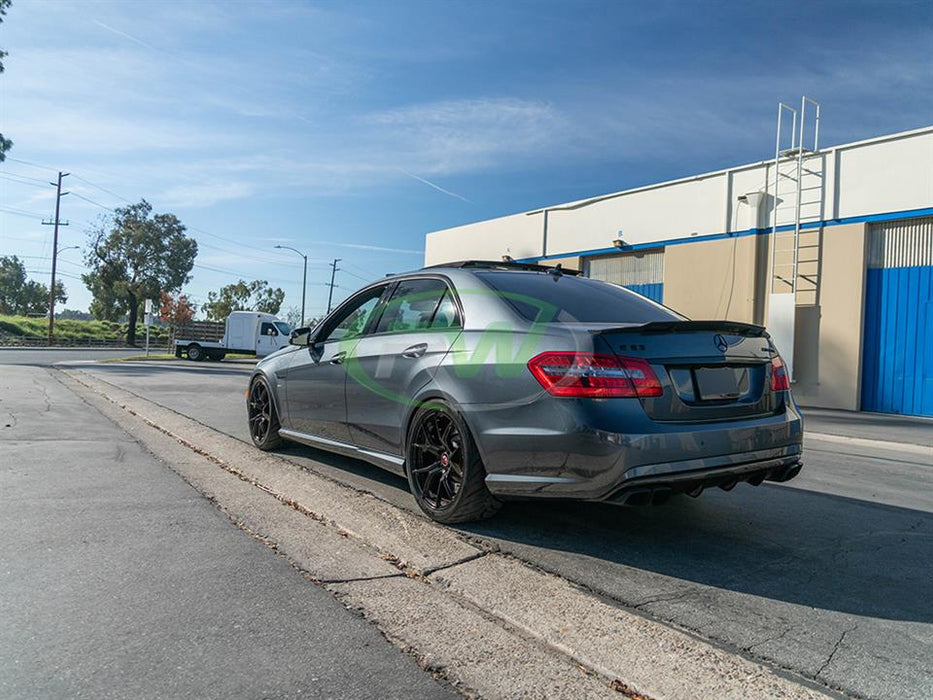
(244,332)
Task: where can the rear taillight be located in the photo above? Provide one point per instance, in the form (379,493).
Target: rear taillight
(592,375)
(779,379)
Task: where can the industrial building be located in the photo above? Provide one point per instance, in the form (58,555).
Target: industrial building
(831,248)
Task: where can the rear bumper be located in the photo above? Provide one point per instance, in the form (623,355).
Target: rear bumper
(656,489)
(562,449)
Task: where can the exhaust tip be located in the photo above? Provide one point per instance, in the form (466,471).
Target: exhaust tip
(787,473)
(638,498)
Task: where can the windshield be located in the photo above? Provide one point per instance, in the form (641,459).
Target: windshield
(548,298)
(283,327)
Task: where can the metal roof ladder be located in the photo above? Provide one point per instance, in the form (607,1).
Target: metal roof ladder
(797,199)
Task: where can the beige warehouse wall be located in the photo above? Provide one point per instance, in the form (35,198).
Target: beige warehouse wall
(712,279)
(887,174)
(717,280)
(837,330)
(517,235)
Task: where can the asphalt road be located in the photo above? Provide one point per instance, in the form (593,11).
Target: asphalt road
(828,575)
(118,580)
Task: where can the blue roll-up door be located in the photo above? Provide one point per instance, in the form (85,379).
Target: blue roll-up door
(652,291)
(641,271)
(897,350)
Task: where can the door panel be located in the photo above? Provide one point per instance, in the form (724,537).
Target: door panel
(316,376)
(316,398)
(383,374)
(417,328)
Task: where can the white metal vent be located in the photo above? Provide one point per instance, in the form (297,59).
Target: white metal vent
(641,267)
(902,243)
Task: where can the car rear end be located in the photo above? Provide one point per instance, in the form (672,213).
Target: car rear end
(632,412)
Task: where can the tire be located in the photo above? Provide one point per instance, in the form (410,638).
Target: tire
(439,445)
(194,352)
(263,420)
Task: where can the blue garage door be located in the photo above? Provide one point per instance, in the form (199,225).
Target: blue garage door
(641,271)
(897,365)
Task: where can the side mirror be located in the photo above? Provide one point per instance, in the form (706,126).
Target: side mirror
(300,336)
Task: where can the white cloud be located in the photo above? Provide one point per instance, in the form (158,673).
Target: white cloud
(204,195)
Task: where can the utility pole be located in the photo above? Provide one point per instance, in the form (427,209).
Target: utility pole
(304,280)
(58,201)
(333,273)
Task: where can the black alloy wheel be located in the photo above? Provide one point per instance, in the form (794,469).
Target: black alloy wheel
(437,465)
(445,472)
(263,421)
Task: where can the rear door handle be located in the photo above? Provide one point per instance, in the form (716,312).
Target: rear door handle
(415,351)
(338,358)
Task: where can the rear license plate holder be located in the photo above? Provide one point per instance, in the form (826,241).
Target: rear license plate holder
(720,383)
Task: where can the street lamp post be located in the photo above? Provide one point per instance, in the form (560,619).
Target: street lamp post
(304,279)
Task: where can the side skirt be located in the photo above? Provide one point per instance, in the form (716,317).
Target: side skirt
(392,463)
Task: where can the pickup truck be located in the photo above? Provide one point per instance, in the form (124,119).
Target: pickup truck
(244,332)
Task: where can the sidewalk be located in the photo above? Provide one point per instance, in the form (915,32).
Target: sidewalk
(119,580)
(869,426)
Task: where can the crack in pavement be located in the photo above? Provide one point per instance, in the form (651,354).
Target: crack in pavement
(662,598)
(772,638)
(832,654)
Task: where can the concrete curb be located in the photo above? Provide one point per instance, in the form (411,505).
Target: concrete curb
(489,624)
(912,447)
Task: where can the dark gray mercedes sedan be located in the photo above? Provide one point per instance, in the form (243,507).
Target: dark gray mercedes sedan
(485,381)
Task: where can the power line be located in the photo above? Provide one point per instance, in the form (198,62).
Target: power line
(103,189)
(353,274)
(91,201)
(25,214)
(242,275)
(35,165)
(59,274)
(22,180)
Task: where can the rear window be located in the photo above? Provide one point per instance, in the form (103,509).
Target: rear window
(546,298)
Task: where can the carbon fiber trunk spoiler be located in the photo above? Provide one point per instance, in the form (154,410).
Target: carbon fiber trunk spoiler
(748,330)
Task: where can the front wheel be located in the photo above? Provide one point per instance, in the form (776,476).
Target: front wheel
(445,471)
(263,420)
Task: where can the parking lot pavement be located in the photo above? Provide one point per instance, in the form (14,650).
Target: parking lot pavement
(827,575)
(118,580)
(870,426)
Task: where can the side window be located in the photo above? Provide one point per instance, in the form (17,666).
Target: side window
(351,319)
(268,329)
(447,314)
(412,306)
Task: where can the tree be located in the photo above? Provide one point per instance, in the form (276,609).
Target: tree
(243,296)
(175,311)
(74,314)
(293,316)
(135,256)
(5,143)
(21,296)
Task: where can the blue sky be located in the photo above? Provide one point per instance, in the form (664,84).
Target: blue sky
(350,129)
